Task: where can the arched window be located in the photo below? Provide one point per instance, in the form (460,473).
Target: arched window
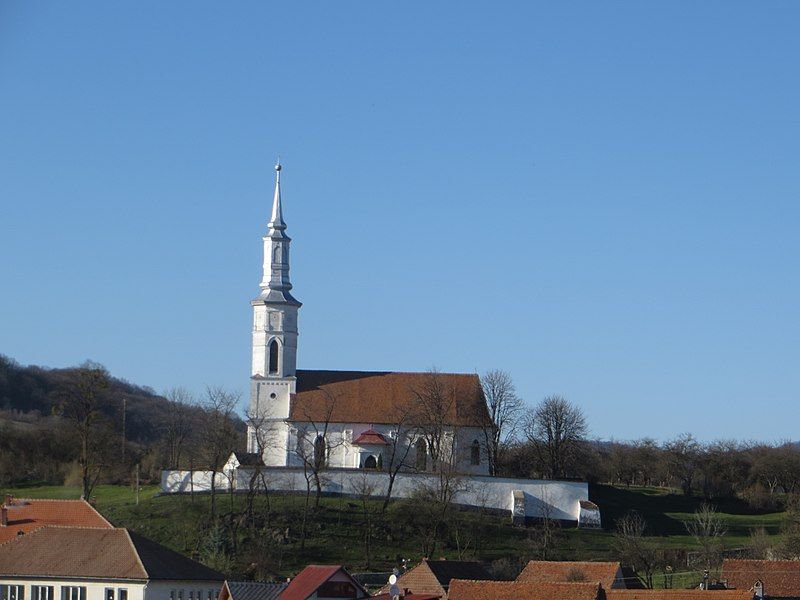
(475,453)
(422,455)
(319,451)
(371,462)
(273,357)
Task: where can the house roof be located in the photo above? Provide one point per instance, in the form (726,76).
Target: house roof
(307,581)
(371,437)
(251,590)
(781,578)
(97,553)
(461,589)
(408,596)
(249,459)
(607,573)
(675,594)
(434,576)
(26,515)
(589,505)
(384,396)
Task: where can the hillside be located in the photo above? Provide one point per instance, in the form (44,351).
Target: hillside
(38,446)
(336,534)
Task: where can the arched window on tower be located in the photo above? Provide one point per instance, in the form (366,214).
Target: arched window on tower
(475,453)
(273,357)
(320,449)
(422,455)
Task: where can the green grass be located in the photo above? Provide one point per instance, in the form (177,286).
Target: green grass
(335,533)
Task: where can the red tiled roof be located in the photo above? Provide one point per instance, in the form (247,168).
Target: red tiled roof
(607,573)
(409,596)
(695,594)
(28,515)
(433,577)
(307,581)
(370,436)
(780,577)
(383,396)
(463,589)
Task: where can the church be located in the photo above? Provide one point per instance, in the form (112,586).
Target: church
(378,420)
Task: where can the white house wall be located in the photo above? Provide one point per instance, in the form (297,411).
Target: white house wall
(543,498)
(95,590)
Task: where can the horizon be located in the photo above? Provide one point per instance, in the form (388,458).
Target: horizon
(601,201)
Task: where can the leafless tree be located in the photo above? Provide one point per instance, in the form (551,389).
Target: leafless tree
(364,488)
(265,438)
(79,403)
(400,443)
(683,456)
(556,429)
(632,546)
(505,410)
(219,433)
(177,423)
(708,528)
(434,402)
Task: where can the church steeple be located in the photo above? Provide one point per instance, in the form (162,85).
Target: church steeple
(275,284)
(276,222)
(275,309)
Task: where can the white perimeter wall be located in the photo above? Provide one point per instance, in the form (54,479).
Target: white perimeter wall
(543,498)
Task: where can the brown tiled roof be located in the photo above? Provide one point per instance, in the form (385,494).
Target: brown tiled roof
(462,589)
(382,396)
(781,578)
(695,594)
(28,515)
(96,553)
(434,576)
(607,573)
(588,504)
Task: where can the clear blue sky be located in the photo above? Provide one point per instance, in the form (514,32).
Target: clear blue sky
(601,198)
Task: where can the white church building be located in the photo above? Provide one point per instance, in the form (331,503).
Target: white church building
(349,419)
(354,426)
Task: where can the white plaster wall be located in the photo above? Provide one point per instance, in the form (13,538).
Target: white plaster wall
(543,498)
(160,590)
(95,590)
(344,454)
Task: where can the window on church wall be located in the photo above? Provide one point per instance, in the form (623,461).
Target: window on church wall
(320,451)
(273,357)
(475,453)
(422,455)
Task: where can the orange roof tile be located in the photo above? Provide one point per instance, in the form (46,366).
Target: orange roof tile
(695,594)
(463,589)
(607,573)
(26,515)
(382,396)
(780,577)
(307,581)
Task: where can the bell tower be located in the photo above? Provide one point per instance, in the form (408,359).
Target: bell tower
(274,330)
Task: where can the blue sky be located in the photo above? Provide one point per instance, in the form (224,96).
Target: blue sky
(601,198)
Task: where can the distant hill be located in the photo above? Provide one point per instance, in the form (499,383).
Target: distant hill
(28,394)
(37,446)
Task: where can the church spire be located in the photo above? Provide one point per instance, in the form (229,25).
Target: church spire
(275,284)
(276,222)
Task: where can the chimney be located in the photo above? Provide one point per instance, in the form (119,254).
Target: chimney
(3,517)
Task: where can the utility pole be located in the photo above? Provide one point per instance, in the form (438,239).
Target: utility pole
(124,411)
(137,484)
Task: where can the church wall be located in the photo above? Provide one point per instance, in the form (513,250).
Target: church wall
(553,499)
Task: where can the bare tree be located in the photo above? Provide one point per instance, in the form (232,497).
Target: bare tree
(364,489)
(708,529)
(505,410)
(79,403)
(683,456)
(434,402)
(632,546)
(400,444)
(219,433)
(264,438)
(556,429)
(177,423)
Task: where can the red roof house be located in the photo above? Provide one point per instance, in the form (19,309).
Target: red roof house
(323,581)
(21,516)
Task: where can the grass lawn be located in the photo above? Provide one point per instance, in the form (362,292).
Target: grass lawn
(336,533)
